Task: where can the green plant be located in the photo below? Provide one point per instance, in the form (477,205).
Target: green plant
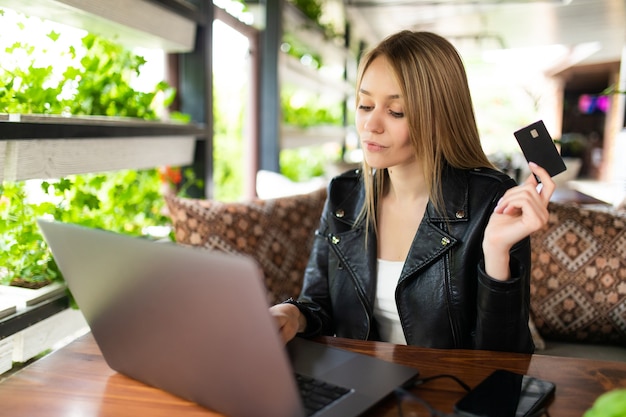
(103,83)
(96,80)
(314,10)
(302,164)
(93,77)
(295,48)
(610,404)
(24,256)
(612,89)
(125,201)
(310,111)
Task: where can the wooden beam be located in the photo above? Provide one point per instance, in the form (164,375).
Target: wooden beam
(54,158)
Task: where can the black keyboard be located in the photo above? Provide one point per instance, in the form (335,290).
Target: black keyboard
(318,394)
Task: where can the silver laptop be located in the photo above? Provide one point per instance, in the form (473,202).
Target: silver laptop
(195,323)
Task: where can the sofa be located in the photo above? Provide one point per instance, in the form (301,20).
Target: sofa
(578,282)
(276,232)
(578,275)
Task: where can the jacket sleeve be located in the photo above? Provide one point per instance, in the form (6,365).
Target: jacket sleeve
(314,300)
(503,306)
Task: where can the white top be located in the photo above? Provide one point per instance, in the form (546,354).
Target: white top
(385,308)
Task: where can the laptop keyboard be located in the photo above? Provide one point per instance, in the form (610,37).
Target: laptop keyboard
(318,394)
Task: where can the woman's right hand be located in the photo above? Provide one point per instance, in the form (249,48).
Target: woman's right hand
(290,320)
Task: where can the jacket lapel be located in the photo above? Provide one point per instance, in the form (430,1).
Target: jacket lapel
(430,243)
(432,239)
(361,262)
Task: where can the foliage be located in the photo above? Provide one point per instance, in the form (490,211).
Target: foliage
(23,253)
(303,163)
(96,80)
(229,147)
(314,10)
(228,127)
(95,77)
(92,78)
(104,83)
(612,89)
(309,111)
(124,201)
(295,48)
(311,8)
(611,403)
(227,172)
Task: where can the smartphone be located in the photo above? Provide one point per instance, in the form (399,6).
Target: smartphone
(506,394)
(538,147)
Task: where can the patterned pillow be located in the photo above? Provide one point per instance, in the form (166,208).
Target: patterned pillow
(277,233)
(578,275)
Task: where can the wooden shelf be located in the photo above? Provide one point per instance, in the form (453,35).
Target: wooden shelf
(31,314)
(17,126)
(135,23)
(309,33)
(39,320)
(293,72)
(334,55)
(41,147)
(296,137)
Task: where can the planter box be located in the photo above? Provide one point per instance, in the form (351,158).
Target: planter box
(6,354)
(21,298)
(7,307)
(49,333)
(53,332)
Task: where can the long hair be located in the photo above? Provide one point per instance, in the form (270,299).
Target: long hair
(438,106)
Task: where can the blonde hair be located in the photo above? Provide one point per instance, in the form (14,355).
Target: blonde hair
(438,108)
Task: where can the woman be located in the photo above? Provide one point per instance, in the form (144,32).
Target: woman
(428,244)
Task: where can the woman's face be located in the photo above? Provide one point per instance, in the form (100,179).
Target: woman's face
(380,120)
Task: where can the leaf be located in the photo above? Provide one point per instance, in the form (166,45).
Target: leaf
(63,184)
(97,82)
(53,35)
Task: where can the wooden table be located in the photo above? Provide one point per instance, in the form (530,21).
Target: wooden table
(76,381)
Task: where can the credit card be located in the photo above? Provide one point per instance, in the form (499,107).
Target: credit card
(538,147)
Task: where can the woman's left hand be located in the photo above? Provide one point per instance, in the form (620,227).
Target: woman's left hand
(521,211)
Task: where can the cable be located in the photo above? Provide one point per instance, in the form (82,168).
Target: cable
(456,379)
(402,394)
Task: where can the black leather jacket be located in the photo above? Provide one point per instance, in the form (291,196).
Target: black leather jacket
(444,297)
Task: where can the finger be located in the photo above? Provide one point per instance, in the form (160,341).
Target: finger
(283,330)
(284,335)
(287,332)
(532,178)
(521,198)
(527,190)
(547,184)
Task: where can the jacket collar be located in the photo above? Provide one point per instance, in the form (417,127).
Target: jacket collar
(431,241)
(455,184)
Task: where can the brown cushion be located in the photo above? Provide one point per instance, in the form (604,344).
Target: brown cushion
(277,233)
(578,275)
